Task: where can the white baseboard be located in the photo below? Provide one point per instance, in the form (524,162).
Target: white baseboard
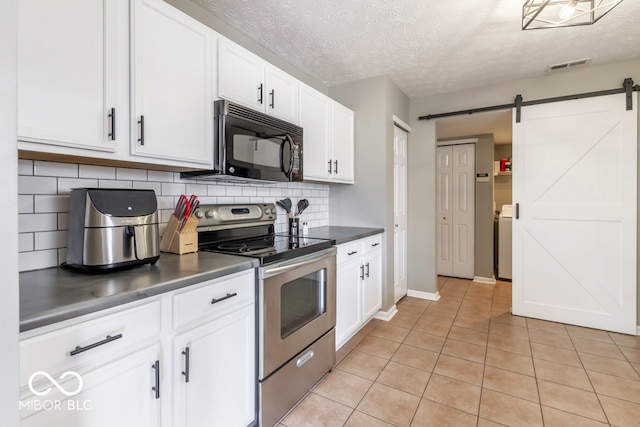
(424,295)
(487,280)
(386,315)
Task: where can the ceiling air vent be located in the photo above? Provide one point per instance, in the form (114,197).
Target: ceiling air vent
(568,65)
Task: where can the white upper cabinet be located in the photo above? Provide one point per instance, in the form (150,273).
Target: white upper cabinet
(172,98)
(328,138)
(248,80)
(72,73)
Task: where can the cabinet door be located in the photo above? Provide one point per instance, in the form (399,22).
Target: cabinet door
(117,394)
(172,78)
(241,76)
(315,119)
(343,144)
(348,301)
(282,95)
(221,372)
(372,286)
(68,62)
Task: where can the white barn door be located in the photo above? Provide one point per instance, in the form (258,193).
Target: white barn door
(575,186)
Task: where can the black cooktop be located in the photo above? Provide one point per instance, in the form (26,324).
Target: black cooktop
(270,248)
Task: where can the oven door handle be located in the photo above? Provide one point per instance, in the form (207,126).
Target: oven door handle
(300,262)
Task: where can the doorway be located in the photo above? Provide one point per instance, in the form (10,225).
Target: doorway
(455,209)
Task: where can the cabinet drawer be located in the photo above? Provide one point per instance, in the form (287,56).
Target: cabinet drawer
(373,243)
(349,252)
(84,345)
(213,299)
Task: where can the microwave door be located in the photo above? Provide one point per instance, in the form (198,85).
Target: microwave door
(259,156)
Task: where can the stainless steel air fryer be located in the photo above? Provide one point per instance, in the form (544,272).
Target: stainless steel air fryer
(112,229)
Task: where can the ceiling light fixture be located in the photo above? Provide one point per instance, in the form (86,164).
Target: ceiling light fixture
(564,13)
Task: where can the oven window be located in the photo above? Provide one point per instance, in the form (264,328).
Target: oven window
(301,301)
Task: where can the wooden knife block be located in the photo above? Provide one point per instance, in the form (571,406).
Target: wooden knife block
(180,242)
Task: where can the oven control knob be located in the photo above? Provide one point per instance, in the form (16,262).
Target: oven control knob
(199,214)
(209,214)
(267,211)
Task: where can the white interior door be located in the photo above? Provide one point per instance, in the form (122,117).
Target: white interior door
(456,210)
(574,241)
(400,213)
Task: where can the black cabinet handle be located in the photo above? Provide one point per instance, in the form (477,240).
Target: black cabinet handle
(217,300)
(517,210)
(156,367)
(112,116)
(367,265)
(141,123)
(335,162)
(186,364)
(352,253)
(273,98)
(362,272)
(108,339)
(260,93)
(329,162)
(373,245)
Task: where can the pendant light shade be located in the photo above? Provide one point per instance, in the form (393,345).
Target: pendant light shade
(563,13)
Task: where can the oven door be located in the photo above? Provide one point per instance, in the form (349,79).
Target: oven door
(258,151)
(297,303)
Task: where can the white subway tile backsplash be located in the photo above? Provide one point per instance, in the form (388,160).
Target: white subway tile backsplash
(131,174)
(44,201)
(41,168)
(37,185)
(28,223)
(50,203)
(25,167)
(171,189)
(25,203)
(97,172)
(50,240)
(66,184)
(160,176)
(63,221)
(108,183)
(25,242)
(36,260)
(143,185)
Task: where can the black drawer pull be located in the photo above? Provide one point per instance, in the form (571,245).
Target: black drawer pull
(362,272)
(374,244)
(186,364)
(108,339)
(367,265)
(156,367)
(352,253)
(217,300)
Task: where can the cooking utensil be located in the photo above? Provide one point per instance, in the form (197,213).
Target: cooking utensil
(302,205)
(281,204)
(288,204)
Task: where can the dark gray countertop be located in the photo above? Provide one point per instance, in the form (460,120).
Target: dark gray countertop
(339,234)
(55,294)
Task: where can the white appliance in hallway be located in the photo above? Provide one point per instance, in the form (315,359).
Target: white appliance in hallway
(504,242)
(455,209)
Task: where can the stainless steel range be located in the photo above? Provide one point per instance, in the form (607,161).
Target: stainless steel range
(296,294)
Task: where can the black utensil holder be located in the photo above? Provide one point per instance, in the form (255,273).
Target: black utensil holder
(294,226)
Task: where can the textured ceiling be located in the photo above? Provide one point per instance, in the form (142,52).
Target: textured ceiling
(425,46)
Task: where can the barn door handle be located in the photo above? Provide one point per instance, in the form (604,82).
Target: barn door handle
(517,210)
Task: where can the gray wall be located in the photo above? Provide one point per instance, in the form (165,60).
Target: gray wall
(209,19)
(369,202)
(9,350)
(588,79)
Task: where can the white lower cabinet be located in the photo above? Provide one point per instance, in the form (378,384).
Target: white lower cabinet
(359,285)
(128,366)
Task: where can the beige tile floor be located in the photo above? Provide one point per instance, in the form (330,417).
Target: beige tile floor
(465,361)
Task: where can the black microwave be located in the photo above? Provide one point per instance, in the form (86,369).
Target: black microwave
(249,144)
